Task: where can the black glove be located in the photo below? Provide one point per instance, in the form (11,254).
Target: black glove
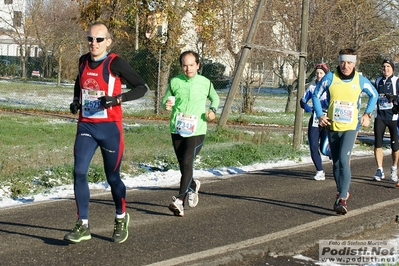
(108,101)
(74,107)
(391,97)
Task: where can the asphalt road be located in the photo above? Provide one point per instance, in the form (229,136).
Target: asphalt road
(257,218)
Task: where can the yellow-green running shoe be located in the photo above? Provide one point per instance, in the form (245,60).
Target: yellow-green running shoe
(79,232)
(121,229)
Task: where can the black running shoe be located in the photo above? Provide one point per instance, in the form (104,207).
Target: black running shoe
(79,232)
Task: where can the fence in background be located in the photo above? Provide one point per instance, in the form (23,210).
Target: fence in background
(269,102)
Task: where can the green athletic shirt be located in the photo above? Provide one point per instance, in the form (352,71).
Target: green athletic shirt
(191,96)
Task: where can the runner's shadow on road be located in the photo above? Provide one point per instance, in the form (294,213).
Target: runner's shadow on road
(287,204)
(47,240)
(149,205)
(286,173)
(370,182)
(132,205)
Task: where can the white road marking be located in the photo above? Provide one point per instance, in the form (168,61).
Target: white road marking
(273,236)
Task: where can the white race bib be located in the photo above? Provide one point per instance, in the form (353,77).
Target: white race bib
(91,106)
(316,120)
(383,103)
(343,111)
(186,124)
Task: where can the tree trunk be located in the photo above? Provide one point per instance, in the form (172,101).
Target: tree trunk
(59,71)
(290,106)
(247,103)
(23,58)
(166,62)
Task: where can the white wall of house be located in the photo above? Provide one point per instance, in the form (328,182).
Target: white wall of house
(8,47)
(7,8)
(10,10)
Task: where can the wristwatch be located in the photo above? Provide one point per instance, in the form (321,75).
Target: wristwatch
(368,114)
(213,109)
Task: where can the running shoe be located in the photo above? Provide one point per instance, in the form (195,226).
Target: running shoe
(121,229)
(320,175)
(79,232)
(193,195)
(394,174)
(379,175)
(176,206)
(340,206)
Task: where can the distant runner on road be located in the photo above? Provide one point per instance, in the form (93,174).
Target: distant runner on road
(386,117)
(316,134)
(344,88)
(186,96)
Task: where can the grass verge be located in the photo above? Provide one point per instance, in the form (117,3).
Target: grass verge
(37,152)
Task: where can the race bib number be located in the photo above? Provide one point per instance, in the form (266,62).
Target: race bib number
(343,111)
(91,106)
(383,103)
(186,124)
(316,120)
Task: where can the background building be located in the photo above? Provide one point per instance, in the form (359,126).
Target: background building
(12,36)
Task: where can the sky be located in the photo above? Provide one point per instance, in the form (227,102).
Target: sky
(165,179)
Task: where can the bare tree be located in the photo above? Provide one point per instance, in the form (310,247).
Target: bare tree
(220,30)
(234,21)
(127,18)
(367,26)
(363,25)
(58,35)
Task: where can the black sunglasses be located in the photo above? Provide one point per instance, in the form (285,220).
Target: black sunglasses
(98,39)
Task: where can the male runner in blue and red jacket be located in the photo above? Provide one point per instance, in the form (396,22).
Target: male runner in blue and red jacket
(98,95)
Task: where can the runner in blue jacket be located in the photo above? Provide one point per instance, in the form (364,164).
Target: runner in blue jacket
(344,88)
(316,135)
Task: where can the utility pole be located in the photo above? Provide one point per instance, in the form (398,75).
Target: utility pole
(297,139)
(241,64)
